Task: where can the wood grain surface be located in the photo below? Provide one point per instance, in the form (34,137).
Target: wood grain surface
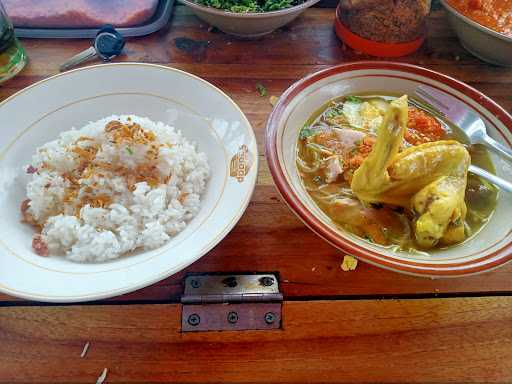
(393,341)
(269,237)
(367,325)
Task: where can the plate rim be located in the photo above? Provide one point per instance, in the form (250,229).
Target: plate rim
(234,219)
(475,266)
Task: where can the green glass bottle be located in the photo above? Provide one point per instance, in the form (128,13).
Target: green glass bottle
(12,55)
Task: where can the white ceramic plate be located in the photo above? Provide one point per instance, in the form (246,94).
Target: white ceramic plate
(40,112)
(490,248)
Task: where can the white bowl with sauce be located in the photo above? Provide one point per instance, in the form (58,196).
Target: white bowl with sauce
(488,249)
(37,114)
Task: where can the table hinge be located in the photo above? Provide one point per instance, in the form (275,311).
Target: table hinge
(231,302)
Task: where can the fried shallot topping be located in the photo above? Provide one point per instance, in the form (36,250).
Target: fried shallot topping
(82,187)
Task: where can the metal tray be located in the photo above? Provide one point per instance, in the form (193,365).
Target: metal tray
(158,21)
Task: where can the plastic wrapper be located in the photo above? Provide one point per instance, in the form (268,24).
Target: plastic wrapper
(79,13)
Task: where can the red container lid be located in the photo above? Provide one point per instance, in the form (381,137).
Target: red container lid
(371,47)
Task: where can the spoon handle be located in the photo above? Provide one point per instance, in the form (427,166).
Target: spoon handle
(497,181)
(500,149)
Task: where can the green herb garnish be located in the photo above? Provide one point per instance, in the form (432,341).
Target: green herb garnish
(333,112)
(261,89)
(354,99)
(368,238)
(129,150)
(306,132)
(245,6)
(317,179)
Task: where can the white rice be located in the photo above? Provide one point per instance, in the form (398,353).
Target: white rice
(142,216)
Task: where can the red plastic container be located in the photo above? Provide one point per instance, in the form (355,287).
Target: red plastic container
(371,47)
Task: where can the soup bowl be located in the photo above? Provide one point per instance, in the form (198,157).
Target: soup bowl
(488,249)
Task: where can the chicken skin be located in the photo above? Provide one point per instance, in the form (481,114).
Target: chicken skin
(429,179)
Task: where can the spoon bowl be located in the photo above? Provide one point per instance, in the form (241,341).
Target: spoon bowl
(468,121)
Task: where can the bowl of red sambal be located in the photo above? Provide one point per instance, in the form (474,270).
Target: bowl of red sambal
(484,28)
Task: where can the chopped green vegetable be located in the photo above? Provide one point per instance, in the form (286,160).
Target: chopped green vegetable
(368,238)
(261,89)
(245,6)
(335,111)
(354,99)
(306,132)
(317,179)
(129,150)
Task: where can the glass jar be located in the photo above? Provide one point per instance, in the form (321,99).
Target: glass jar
(383,27)
(12,55)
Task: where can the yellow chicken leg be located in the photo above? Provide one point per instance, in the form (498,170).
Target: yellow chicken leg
(372,177)
(429,179)
(439,204)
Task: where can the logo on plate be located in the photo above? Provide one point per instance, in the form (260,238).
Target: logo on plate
(240,163)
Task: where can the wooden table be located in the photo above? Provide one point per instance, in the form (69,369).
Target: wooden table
(367,325)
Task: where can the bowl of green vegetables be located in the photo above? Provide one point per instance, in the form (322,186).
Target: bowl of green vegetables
(248,18)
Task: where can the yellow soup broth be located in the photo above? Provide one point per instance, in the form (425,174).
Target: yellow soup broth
(358,117)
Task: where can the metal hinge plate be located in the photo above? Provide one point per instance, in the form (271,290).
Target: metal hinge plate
(231,302)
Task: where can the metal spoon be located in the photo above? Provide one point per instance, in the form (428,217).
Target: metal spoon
(464,118)
(498,181)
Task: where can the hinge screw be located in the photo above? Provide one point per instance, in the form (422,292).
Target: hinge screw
(270,317)
(230,282)
(194,319)
(195,283)
(232,317)
(266,281)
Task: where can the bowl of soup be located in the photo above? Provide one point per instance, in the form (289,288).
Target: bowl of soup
(484,28)
(362,164)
